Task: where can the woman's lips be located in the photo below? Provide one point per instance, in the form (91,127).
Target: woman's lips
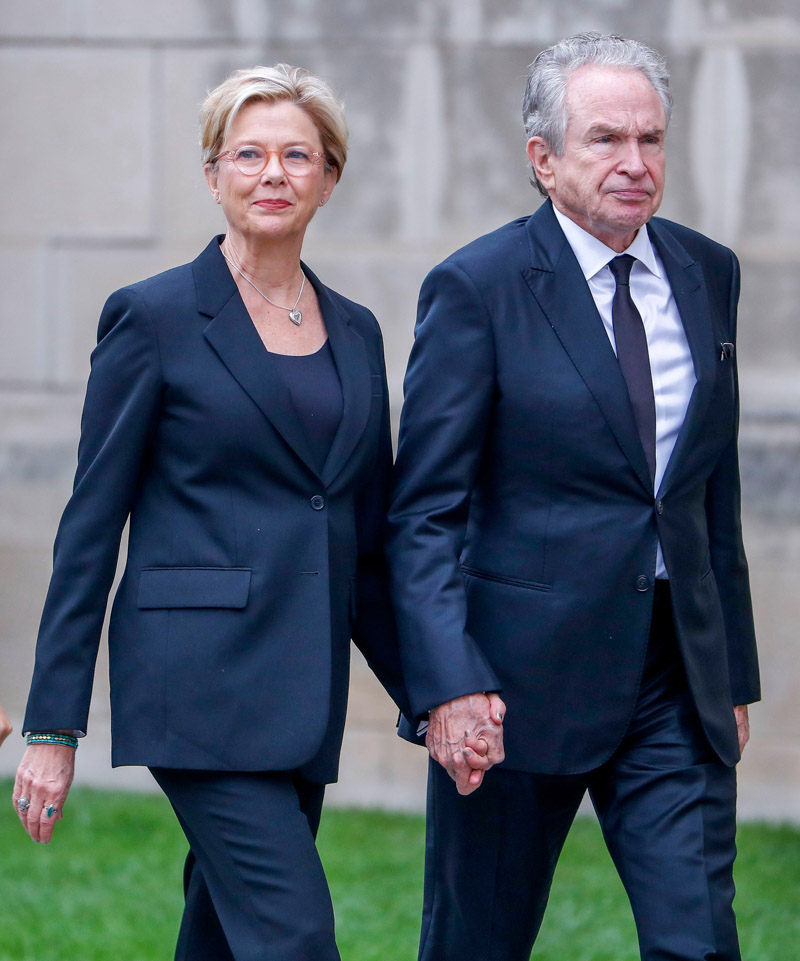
(272,204)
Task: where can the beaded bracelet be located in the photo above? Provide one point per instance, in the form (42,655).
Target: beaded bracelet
(46,738)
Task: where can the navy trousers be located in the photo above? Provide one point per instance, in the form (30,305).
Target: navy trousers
(667,808)
(254,884)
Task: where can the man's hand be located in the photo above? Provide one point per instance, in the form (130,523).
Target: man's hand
(465,736)
(742,725)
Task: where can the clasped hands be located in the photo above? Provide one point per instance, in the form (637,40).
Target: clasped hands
(465,736)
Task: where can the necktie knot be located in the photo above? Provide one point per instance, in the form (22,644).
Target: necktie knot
(620,267)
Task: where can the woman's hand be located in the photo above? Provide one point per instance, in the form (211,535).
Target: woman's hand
(43,779)
(5,725)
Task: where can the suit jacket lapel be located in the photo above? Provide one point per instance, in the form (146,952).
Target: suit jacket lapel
(235,339)
(558,284)
(352,364)
(689,289)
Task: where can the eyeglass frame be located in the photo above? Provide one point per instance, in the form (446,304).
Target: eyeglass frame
(320,158)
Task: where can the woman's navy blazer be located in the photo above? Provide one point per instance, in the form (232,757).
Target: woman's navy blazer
(247,569)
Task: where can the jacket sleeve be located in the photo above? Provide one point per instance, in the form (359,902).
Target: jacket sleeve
(119,416)
(728,561)
(449,391)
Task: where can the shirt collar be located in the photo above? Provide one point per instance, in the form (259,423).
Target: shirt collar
(592,254)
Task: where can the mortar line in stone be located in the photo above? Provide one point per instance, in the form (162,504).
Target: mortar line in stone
(157,123)
(9,386)
(49,320)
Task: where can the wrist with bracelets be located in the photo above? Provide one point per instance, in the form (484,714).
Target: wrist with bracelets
(50,737)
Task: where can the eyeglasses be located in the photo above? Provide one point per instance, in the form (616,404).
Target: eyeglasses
(251,160)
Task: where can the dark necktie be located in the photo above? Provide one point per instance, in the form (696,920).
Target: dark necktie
(633,357)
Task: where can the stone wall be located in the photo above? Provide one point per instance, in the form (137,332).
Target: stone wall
(104,186)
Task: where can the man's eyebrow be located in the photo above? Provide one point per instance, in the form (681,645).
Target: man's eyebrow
(605,128)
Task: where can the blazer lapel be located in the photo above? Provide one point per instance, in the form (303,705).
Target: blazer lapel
(235,339)
(558,284)
(352,364)
(689,289)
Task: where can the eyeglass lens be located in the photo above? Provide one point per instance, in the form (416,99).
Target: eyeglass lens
(252,160)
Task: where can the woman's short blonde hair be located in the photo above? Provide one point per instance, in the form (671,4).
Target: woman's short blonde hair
(281,83)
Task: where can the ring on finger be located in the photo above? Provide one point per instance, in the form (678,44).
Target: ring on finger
(23,804)
(50,810)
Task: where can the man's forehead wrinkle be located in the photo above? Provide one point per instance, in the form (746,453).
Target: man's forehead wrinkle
(605,126)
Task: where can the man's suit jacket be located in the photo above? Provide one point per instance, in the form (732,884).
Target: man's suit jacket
(524,527)
(247,569)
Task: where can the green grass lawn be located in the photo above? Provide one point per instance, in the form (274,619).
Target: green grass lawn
(108,888)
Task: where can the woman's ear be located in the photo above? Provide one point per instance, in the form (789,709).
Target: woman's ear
(212,179)
(328,184)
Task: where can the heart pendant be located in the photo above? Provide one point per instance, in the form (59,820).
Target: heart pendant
(296,317)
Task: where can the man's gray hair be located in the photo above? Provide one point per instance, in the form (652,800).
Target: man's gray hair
(544,111)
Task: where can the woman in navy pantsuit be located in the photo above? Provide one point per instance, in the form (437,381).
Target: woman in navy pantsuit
(237,412)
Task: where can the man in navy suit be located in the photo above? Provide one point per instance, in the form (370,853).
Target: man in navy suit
(565,533)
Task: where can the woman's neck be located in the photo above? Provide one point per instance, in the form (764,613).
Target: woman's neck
(272,267)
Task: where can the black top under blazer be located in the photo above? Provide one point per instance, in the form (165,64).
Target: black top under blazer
(247,569)
(524,525)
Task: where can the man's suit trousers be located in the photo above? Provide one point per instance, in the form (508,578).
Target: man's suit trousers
(666,805)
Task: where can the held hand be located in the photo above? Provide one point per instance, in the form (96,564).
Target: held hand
(742,725)
(5,725)
(43,779)
(465,736)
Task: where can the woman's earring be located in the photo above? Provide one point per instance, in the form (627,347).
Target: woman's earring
(322,202)
(216,197)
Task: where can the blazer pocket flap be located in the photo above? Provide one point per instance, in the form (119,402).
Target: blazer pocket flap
(161,587)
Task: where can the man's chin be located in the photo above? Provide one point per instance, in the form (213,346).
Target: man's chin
(631,218)
(635,208)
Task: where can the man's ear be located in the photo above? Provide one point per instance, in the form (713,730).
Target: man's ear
(540,156)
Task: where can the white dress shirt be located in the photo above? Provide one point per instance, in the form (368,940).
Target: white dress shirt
(671,364)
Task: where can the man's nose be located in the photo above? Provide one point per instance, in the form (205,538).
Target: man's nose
(631,160)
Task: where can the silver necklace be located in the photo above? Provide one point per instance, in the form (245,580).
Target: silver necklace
(295,315)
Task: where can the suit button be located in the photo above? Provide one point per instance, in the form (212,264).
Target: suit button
(317,502)
(659,507)
(642,583)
